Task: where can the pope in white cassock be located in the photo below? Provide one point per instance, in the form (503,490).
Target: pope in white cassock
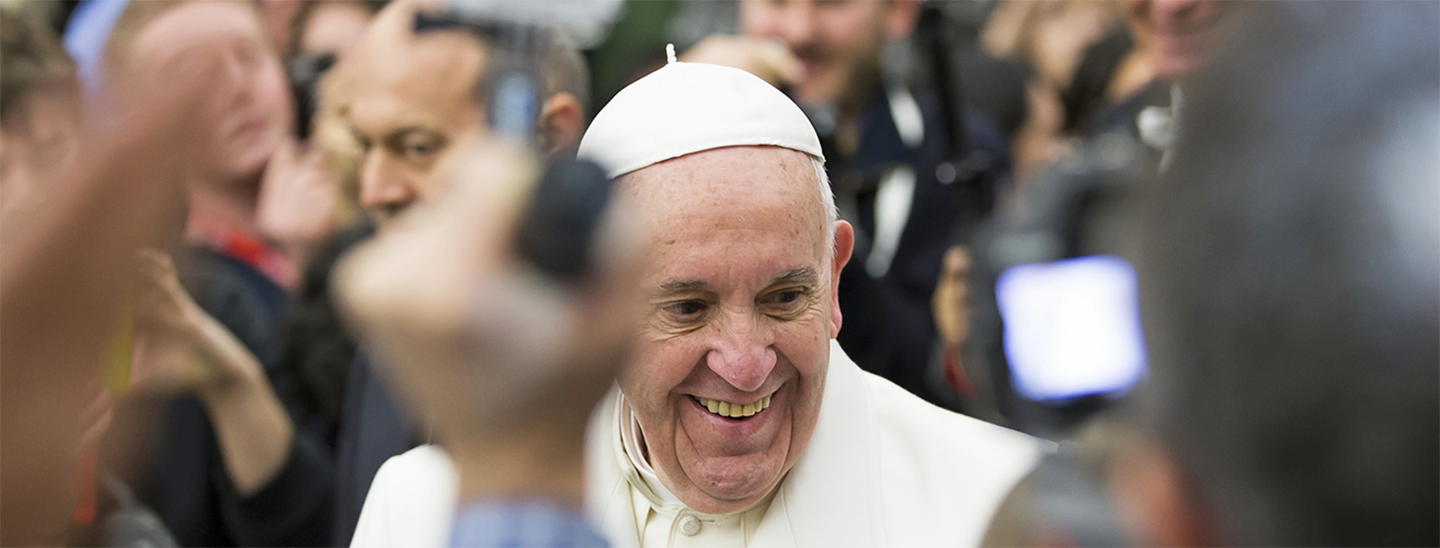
(738,420)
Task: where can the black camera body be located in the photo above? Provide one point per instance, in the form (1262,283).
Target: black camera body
(1055,325)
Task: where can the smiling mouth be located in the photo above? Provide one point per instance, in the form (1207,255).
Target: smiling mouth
(733,410)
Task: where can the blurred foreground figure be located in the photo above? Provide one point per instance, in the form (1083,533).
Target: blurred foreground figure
(80,200)
(403,102)
(503,361)
(736,419)
(39,136)
(1289,280)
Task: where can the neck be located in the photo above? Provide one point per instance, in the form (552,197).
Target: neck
(228,205)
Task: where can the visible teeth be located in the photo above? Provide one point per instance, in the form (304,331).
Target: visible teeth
(734,410)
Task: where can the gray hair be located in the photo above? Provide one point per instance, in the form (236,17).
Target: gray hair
(827,201)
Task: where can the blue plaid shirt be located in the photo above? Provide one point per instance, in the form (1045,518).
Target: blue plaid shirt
(522,524)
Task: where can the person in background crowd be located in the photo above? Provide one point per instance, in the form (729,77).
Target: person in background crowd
(1055,38)
(889,156)
(404,100)
(301,206)
(228,466)
(306,207)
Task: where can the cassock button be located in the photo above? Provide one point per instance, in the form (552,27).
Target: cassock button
(689,525)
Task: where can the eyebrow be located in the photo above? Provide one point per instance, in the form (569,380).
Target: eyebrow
(801,276)
(393,135)
(682,286)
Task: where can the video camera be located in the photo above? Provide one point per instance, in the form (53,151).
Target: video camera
(1056,325)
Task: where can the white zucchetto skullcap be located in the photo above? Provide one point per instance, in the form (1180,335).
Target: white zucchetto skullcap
(685,108)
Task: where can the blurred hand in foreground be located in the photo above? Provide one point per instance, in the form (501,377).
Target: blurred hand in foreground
(506,361)
(64,268)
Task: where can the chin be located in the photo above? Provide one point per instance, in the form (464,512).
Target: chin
(730,499)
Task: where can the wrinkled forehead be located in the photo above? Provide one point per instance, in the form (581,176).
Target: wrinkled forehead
(756,188)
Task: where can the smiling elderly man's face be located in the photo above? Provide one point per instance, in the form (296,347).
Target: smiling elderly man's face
(729,369)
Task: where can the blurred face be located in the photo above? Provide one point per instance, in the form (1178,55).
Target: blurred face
(414,99)
(1179,31)
(250,108)
(837,41)
(729,368)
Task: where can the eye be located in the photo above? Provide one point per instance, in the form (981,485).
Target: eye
(788,296)
(416,147)
(787,300)
(419,149)
(686,309)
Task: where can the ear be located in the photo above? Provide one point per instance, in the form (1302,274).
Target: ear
(563,122)
(900,18)
(1153,499)
(844,246)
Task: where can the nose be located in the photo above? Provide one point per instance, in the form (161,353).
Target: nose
(743,353)
(797,22)
(382,184)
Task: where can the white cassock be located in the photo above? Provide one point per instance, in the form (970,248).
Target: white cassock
(883,468)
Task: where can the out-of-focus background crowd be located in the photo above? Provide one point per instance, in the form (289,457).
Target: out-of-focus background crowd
(177,180)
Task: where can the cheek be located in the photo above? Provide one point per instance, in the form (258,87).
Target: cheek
(656,368)
(804,344)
